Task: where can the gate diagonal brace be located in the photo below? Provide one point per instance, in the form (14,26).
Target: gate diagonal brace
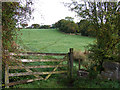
(28,70)
(52,71)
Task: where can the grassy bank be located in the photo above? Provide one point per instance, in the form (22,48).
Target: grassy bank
(54,41)
(51,40)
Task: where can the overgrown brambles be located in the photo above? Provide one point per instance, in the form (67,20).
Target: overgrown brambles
(13,13)
(105,20)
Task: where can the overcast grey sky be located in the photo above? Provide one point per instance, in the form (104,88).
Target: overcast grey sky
(50,11)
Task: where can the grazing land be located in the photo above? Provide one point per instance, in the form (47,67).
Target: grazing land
(52,41)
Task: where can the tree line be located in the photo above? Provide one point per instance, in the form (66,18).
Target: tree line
(67,25)
(36,26)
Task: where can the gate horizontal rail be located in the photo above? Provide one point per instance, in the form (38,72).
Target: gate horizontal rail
(35,73)
(23,81)
(41,66)
(10,56)
(37,53)
(41,60)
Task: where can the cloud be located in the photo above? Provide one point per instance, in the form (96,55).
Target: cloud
(50,11)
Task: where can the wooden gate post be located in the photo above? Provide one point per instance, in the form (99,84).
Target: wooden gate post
(6,75)
(70,64)
(6,70)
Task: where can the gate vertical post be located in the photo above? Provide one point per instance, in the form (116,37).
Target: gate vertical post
(6,70)
(71,62)
(6,75)
(79,64)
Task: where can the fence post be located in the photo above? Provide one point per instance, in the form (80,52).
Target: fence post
(6,70)
(70,62)
(79,64)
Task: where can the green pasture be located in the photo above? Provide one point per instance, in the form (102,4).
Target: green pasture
(51,40)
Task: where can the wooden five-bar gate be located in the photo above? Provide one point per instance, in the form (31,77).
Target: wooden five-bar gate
(11,57)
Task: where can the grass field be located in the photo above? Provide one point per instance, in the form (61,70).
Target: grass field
(51,40)
(54,41)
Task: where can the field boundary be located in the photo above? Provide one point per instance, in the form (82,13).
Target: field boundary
(10,57)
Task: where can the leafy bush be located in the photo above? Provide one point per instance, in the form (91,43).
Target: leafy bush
(67,26)
(35,26)
(99,55)
(86,28)
(44,27)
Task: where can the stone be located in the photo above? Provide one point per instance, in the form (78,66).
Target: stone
(111,70)
(82,73)
(111,66)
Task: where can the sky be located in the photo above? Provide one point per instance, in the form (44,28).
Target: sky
(47,12)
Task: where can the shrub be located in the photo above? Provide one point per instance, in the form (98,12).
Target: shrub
(99,55)
(67,26)
(86,28)
(44,27)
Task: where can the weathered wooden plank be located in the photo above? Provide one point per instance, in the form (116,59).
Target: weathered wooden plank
(27,69)
(23,81)
(40,60)
(36,53)
(35,73)
(71,62)
(6,74)
(53,71)
(41,66)
(79,63)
